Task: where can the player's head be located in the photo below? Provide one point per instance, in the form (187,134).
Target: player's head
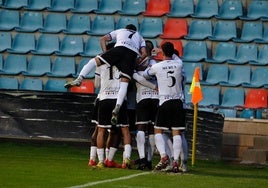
(131,27)
(149,47)
(168,49)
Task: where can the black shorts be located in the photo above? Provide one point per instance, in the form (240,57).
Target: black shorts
(121,57)
(171,115)
(146,111)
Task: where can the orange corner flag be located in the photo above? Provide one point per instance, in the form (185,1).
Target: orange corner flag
(195,89)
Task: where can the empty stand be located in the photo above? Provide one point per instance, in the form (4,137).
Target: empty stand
(251,113)
(224,31)
(259,78)
(228,113)
(71,45)
(62,67)
(38,66)
(102,24)
(46,44)
(9,83)
(245,53)
(81,64)
(14,64)
(30,22)
(237,76)
(61,6)
(230,10)
(1,62)
(9,19)
(177,45)
(157,8)
(189,69)
(87,86)
(181,8)
(5,41)
(199,30)
(264,38)
(34,84)
(195,51)
(108,6)
(233,97)
(85,6)
(22,43)
(15,4)
(205,9)
(223,51)
(78,24)
(262,58)
(216,74)
(54,23)
(256,10)
(211,97)
(92,47)
(55,85)
(174,28)
(123,21)
(133,7)
(151,27)
(256,98)
(38,5)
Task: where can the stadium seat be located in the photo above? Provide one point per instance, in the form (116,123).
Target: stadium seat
(71,45)
(238,75)
(33,84)
(264,39)
(157,8)
(250,32)
(256,10)
(224,31)
(61,6)
(245,53)
(9,83)
(9,19)
(30,22)
(262,57)
(102,24)
(133,7)
(92,47)
(211,97)
(1,62)
(54,23)
(46,44)
(259,78)
(78,24)
(189,69)
(195,51)
(22,43)
(5,41)
(55,85)
(38,5)
(177,45)
(109,7)
(233,97)
(216,74)
(87,86)
(38,66)
(14,64)
(175,28)
(123,21)
(256,98)
(251,113)
(85,6)
(205,9)
(81,64)
(199,30)
(181,8)
(151,27)
(62,67)
(230,10)
(228,113)
(223,51)
(15,4)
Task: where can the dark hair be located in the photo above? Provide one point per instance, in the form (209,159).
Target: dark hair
(149,46)
(131,27)
(168,49)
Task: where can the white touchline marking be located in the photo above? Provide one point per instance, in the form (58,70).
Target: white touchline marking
(89,184)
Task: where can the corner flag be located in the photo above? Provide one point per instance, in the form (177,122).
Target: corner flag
(195,89)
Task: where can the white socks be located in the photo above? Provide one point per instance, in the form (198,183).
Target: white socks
(160,144)
(122,93)
(141,143)
(93,153)
(87,68)
(177,146)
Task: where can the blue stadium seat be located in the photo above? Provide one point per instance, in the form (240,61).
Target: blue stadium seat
(81,64)
(38,5)
(85,6)
(15,4)
(14,64)
(125,20)
(38,66)
(92,47)
(224,31)
(46,44)
(9,83)
(181,8)
(30,22)
(55,85)
(256,10)
(102,24)
(5,41)
(251,113)
(250,32)
(211,97)
(9,19)
(78,24)
(189,68)
(1,62)
(151,27)
(62,67)
(22,43)
(259,78)
(109,7)
(61,6)
(233,97)
(264,39)
(228,113)
(230,10)
(195,51)
(133,7)
(245,53)
(199,30)
(71,45)
(224,51)
(238,75)
(216,74)
(262,57)
(33,84)
(205,9)
(54,23)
